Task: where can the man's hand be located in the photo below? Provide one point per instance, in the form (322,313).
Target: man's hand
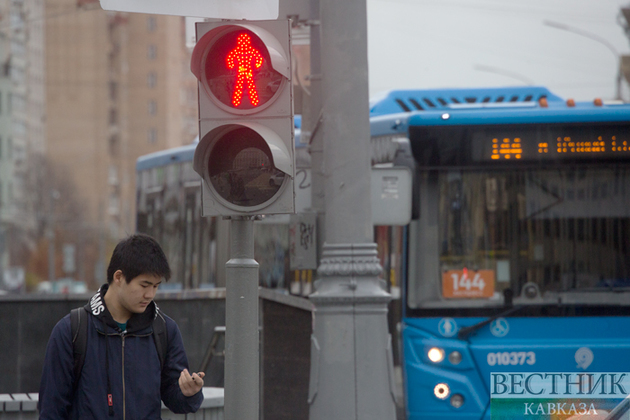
(190,385)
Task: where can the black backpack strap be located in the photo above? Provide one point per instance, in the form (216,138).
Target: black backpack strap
(160,336)
(79,326)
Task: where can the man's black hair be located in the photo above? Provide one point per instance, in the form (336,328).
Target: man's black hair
(136,255)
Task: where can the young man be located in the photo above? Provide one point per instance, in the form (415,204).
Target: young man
(122,376)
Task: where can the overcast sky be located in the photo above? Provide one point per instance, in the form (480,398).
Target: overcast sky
(447,43)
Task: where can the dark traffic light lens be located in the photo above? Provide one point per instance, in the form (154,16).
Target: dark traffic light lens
(241,168)
(239,72)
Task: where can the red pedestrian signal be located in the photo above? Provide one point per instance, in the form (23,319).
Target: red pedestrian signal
(246,60)
(246,149)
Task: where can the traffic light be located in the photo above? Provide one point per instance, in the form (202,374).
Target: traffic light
(246,149)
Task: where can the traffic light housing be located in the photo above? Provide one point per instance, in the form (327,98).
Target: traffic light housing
(246,150)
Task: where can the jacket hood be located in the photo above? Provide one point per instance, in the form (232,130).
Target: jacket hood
(138,322)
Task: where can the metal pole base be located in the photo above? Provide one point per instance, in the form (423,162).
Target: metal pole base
(352,372)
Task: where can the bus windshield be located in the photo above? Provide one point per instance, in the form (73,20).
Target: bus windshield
(558,234)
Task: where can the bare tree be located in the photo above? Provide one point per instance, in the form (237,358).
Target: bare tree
(57,211)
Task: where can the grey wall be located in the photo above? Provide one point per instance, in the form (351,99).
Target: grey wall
(286,356)
(27,321)
(286,321)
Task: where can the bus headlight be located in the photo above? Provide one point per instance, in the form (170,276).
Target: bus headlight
(457,400)
(441,391)
(455,357)
(435,354)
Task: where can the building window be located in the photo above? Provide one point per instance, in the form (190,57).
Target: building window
(152,136)
(113,205)
(152,52)
(19,152)
(113,175)
(114,147)
(152,107)
(151,79)
(18,74)
(113,116)
(19,127)
(17,102)
(113,90)
(151,23)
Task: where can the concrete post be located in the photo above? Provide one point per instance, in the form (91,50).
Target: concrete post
(241,324)
(351,356)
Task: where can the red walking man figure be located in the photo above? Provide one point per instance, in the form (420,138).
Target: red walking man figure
(245,58)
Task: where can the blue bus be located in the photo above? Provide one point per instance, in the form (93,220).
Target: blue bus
(518,255)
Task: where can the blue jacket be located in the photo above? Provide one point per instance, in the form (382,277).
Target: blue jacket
(123,364)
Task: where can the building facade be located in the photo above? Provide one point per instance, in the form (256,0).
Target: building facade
(118,86)
(22,130)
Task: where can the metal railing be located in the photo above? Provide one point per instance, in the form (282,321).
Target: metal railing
(24,407)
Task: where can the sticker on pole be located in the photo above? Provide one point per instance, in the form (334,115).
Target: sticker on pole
(467,284)
(219,9)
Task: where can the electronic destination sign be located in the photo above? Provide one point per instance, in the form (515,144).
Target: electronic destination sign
(503,144)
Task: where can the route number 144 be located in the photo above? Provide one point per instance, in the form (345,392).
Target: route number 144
(468,284)
(464,282)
